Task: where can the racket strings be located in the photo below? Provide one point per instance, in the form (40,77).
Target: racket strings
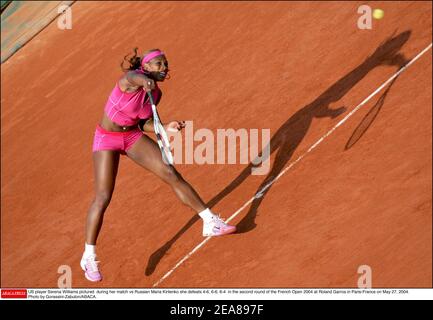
(162,138)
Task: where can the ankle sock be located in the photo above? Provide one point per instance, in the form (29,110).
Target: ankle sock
(89,249)
(206,215)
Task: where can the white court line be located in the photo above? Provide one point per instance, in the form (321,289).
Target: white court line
(259,194)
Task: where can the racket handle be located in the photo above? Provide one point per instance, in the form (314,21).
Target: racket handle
(149,93)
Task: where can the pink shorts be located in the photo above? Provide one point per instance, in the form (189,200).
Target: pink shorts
(118,141)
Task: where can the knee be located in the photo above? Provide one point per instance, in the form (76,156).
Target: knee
(102,199)
(171,175)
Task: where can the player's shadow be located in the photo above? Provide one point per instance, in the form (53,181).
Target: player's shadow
(288,137)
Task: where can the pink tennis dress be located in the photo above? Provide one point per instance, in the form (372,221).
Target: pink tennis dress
(124,109)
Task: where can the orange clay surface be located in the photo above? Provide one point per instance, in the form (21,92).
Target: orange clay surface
(362,197)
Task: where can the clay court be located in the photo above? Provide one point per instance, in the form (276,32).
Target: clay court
(363,196)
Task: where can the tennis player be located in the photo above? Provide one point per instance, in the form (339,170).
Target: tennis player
(127,117)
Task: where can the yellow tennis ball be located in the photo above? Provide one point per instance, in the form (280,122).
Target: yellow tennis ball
(378,14)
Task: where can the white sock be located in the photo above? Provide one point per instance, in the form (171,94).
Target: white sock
(206,215)
(89,249)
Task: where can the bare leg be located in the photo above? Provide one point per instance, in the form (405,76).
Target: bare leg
(146,153)
(106,164)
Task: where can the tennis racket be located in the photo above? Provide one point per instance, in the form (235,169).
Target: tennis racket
(161,135)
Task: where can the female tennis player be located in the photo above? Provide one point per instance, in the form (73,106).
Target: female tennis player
(127,117)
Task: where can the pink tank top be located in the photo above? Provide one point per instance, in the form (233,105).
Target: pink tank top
(127,108)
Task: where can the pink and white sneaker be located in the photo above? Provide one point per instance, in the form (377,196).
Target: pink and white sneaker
(217,227)
(90,268)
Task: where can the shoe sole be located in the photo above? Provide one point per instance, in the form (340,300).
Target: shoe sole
(87,277)
(90,279)
(220,234)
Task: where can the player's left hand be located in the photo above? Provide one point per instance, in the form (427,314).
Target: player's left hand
(175,126)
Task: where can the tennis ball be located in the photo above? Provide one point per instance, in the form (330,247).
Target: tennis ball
(378,14)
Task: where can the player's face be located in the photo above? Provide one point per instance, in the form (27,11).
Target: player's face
(158,68)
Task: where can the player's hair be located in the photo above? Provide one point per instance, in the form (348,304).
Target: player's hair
(135,60)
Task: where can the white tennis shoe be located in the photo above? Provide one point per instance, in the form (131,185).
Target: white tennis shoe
(217,227)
